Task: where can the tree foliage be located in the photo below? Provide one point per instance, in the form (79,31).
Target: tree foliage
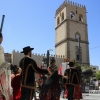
(98,75)
(78,67)
(87,67)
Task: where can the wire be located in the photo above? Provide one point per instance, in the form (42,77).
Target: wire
(95,47)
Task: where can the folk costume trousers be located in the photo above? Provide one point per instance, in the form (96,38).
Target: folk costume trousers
(27,94)
(70,92)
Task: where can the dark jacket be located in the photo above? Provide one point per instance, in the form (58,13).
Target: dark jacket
(29,68)
(73,77)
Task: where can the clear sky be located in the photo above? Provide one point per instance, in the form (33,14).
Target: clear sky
(32,22)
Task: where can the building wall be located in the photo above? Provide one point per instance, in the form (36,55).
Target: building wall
(16,57)
(8,57)
(59,15)
(95,68)
(73,51)
(60,33)
(61,49)
(78,27)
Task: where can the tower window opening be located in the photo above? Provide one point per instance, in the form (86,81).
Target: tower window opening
(58,21)
(76,11)
(80,18)
(62,16)
(78,56)
(72,15)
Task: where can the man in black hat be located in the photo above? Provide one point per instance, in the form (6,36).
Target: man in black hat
(73,79)
(29,68)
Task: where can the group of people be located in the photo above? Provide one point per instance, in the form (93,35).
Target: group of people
(21,83)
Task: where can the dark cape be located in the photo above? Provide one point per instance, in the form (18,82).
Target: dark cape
(50,87)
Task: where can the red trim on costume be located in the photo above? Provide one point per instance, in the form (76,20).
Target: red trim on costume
(60,70)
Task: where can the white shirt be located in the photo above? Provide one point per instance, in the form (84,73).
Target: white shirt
(96,83)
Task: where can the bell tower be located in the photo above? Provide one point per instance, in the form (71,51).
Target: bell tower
(71,24)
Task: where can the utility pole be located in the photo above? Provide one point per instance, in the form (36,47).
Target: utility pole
(3,16)
(79,49)
(48,53)
(1,36)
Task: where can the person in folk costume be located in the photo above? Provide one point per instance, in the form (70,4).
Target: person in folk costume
(42,83)
(29,68)
(78,88)
(65,94)
(73,80)
(51,89)
(5,75)
(15,82)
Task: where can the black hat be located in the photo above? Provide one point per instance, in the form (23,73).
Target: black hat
(1,35)
(71,64)
(52,60)
(25,49)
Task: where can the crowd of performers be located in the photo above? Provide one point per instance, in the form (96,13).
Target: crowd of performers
(20,84)
(71,84)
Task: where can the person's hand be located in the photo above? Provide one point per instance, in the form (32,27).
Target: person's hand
(12,76)
(66,77)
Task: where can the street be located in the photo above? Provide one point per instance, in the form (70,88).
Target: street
(86,96)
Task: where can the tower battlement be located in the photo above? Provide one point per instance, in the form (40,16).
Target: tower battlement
(69,2)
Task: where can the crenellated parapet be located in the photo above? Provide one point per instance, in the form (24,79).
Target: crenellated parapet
(69,2)
(74,4)
(39,55)
(17,56)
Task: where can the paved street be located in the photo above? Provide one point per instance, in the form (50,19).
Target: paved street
(86,96)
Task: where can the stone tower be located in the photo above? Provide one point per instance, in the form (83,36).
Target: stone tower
(71,23)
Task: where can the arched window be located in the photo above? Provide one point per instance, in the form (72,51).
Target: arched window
(72,15)
(58,21)
(77,35)
(80,17)
(62,16)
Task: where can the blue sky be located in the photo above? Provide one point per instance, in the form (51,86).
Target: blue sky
(32,22)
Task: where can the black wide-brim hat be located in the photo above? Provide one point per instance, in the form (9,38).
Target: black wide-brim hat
(71,63)
(52,60)
(25,49)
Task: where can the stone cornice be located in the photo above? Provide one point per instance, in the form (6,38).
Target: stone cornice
(70,20)
(70,39)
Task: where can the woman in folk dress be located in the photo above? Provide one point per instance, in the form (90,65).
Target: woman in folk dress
(16,83)
(51,89)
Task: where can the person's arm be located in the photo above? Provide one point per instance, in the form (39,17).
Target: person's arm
(20,64)
(63,78)
(37,69)
(78,75)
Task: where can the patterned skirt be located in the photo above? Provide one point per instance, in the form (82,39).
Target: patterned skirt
(65,95)
(77,92)
(53,92)
(1,96)
(16,94)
